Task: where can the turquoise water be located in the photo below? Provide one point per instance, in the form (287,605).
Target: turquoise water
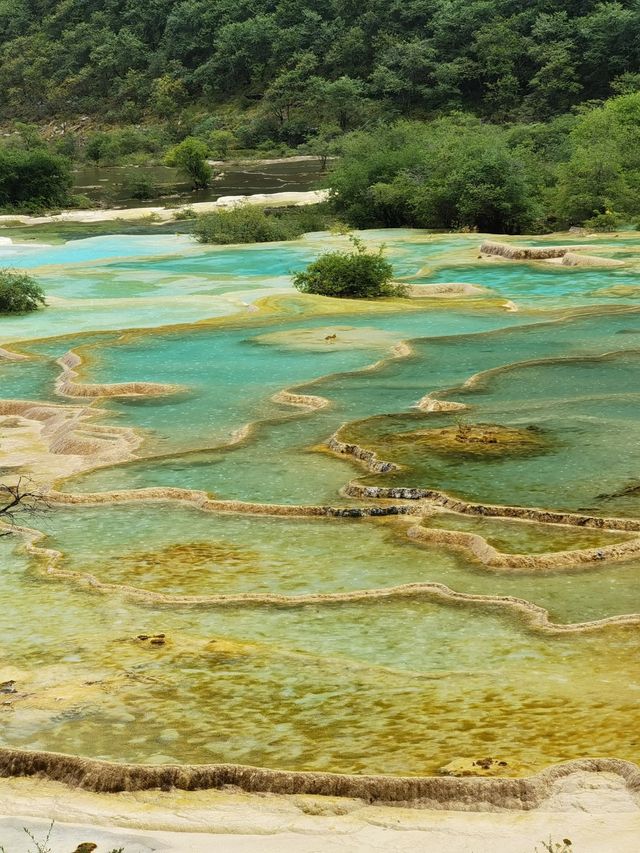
(558,286)
(394,685)
(582,409)
(202,554)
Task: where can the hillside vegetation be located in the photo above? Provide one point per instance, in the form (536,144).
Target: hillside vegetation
(336,61)
(489,114)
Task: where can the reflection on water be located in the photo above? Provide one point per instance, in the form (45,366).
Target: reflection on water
(110,184)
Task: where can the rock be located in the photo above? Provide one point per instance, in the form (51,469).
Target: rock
(474,767)
(152,639)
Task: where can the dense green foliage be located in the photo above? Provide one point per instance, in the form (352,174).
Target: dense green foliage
(459,172)
(127,143)
(250,224)
(358,274)
(490,114)
(454,173)
(33,179)
(19,293)
(314,63)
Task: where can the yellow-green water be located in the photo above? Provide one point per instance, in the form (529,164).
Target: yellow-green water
(400,684)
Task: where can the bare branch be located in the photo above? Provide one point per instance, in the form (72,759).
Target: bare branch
(24,498)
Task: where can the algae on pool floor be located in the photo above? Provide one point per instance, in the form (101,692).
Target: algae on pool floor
(183,630)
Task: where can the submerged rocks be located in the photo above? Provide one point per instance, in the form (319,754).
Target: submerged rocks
(473,439)
(475,767)
(152,639)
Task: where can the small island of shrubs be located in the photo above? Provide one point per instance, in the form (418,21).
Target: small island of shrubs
(19,293)
(246,223)
(358,274)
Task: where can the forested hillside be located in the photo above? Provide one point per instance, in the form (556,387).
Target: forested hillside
(340,62)
(500,115)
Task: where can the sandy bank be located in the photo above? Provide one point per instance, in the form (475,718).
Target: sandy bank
(165,214)
(270,161)
(595,810)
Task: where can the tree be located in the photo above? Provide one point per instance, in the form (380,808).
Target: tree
(591,183)
(30,136)
(603,171)
(168,96)
(19,293)
(343,102)
(220,141)
(323,144)
(293,99)
(476,184)
(190,157)
(455,172)
(370,159)
(359,274)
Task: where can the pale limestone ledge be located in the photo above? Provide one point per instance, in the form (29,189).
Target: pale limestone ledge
(596,811)
(596,808)
(165,214)
(479,547)
(66,385)
(566,256)
(528,253)
(446,290)
(45,441)
(429,403)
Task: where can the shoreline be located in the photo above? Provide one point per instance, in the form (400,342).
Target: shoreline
(166,214)
(592,809)
(269,161)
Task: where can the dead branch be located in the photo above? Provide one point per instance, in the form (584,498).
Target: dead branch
(23,499)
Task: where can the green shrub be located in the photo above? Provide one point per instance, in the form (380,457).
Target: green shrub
(183,213)
(139,186)
(81,201)
(306,218)
(19,293)
(359,274)
(33,180)
(247,223)
(242,224)
(102,148)
(607,221)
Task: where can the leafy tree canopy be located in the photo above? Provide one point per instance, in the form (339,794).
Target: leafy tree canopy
(502,59)
(190,157)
